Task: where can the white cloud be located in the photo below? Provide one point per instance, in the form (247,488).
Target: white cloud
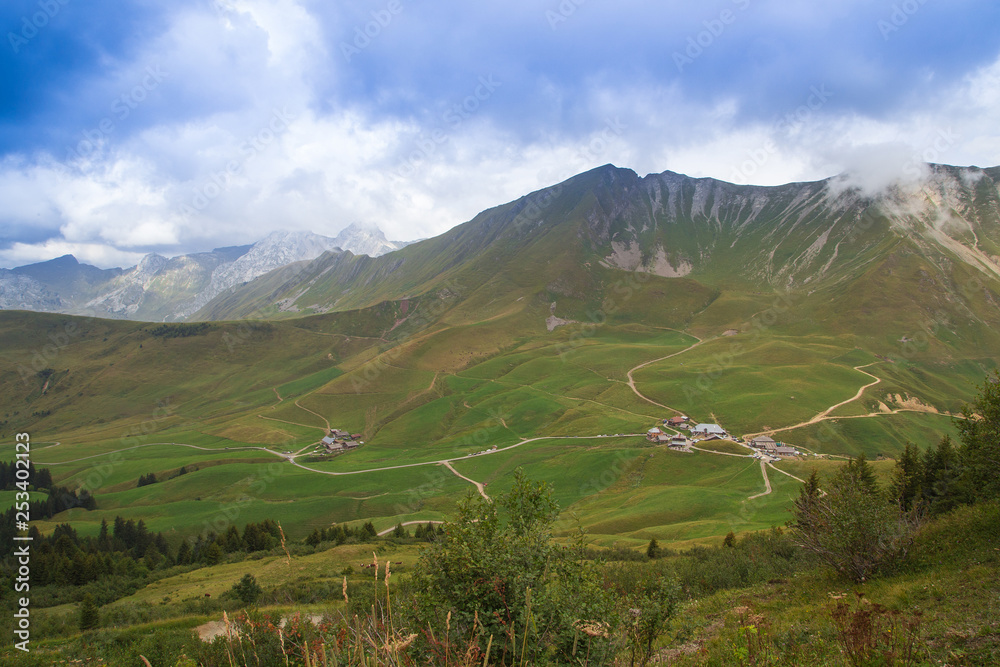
(232,72)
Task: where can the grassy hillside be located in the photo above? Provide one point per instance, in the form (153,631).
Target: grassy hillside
(600,306)
(226,401)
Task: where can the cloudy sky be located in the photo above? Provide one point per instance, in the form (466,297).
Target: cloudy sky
(134,126)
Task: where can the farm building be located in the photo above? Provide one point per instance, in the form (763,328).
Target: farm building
(709,429)
(652,433)
(763,442)
(662,439)
(679,441)
(786,451)
(675,421)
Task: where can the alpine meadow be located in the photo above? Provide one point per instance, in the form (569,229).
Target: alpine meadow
(544,338)
(391,334)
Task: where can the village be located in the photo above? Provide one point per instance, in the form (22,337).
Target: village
(337,441)
(764,447)
(682,437)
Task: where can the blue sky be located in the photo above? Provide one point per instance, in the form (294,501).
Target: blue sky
(137,126)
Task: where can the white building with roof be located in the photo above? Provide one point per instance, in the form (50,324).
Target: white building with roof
(708,429)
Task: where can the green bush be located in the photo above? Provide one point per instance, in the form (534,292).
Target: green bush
(247,590)
(496,573)
(854,527)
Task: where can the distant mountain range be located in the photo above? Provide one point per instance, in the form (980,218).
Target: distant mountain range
(162,289)
(914,256)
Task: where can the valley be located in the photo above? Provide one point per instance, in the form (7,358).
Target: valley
(546,337)
(522,338)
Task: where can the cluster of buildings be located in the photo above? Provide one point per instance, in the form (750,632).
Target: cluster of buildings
(767,445)
(673,441)
(707,432)
(339,441)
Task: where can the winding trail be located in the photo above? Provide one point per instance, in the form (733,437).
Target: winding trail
(825,415)
(783,472)
(407,523)
(861,391)
(463,458)
(285,421)
(631,380)
(481,487)
(767,482)
(299,405)
(712,451)
(161,444)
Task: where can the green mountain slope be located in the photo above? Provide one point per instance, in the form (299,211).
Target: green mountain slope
(839,323)
(913,257)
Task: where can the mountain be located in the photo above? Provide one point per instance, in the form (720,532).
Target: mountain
(162,289)
(914,254)
(366,240)
(275,250)
(157,288)
(20,292)
(62,284)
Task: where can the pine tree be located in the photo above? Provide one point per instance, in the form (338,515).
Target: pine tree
(980,436)
(231,541)
(730,540)
(368,531)
(653,549)
(90,617)
(184,553)
(399,531)
(860,470)
(142,539)
(103,539)
(853,527)
(247,590)
(907,478)
(213,554)
(942,471)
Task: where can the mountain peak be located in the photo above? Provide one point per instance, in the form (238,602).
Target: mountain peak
(365,239)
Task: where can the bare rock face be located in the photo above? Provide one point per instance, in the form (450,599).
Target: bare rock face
(18,292)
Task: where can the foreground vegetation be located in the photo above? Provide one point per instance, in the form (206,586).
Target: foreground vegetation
(760,601)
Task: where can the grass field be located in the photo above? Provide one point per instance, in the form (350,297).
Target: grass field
(251,393)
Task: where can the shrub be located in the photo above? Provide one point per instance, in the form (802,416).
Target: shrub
(497,569)
(853,527)
(247,590)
